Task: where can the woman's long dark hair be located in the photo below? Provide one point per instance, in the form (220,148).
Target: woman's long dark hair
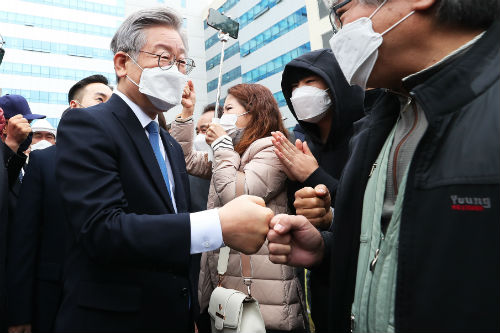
(264,110)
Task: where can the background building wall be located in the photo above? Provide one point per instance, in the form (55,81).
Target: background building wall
(272,32)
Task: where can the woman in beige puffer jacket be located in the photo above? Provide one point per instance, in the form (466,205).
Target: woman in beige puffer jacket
(275,287)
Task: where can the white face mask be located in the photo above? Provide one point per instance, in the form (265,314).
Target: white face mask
(42,144)
(228,122)
(164,88)
(355,47)
(200,144)
(310,103)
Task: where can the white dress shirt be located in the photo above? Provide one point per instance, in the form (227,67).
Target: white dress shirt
(206,232)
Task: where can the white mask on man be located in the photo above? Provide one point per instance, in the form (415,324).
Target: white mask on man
(42,144)
(164,88)
(310,103)
(200,144)
(355,47)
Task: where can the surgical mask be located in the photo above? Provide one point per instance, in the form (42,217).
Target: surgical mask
(200,144)
(310,103)
(164,88)
(356,48)
(42,144)
(228,122)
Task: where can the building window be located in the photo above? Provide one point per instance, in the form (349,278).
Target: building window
(277,30)
(228,53)
(226,78)
(275,65)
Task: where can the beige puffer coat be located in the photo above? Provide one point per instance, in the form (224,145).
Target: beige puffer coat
(275,287)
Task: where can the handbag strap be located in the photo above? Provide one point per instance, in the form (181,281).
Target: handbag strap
(246,264)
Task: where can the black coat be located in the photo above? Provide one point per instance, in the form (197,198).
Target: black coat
(128,268)
(10,166)
(449,255)
(36,247)
(347,107)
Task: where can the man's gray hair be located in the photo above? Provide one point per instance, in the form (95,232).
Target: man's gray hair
(462,13)
(130,35)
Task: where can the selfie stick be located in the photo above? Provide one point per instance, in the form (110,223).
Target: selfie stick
(223,38)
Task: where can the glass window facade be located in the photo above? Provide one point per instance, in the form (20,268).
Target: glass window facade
(51,72)
(36,96)
(277,30)
(274,66)
(54,24)
(118,10)
(256,11)
(280,98)
(245,18)
(42,46)
(226,78)
(228,53)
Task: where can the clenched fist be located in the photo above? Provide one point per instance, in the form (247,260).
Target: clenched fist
(245,223)
(18,130)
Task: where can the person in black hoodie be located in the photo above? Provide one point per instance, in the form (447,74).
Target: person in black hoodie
(325,106)
(326,132)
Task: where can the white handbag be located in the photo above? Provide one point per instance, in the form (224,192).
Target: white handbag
(231,310)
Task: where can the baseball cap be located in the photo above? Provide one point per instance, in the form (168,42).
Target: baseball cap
(17,104)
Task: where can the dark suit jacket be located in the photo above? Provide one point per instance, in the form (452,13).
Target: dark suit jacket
(36,247)
(10,166)
(129,266)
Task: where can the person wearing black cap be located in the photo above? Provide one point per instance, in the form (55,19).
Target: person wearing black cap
(15,132)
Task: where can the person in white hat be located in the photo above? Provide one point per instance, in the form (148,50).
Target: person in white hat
(44,135)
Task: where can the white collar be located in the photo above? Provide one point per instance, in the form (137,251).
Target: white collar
(144,119)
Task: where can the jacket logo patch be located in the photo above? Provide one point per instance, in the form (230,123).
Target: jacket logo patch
(470,203)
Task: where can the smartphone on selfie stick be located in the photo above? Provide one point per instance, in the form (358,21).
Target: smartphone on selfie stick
(227,28)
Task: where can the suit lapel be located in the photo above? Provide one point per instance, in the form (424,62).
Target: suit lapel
(137,135)
(178,168)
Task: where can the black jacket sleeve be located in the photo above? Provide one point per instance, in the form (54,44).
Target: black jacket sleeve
(23,246)
(13,163)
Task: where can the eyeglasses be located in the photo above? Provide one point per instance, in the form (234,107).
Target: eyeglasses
(335,18)
(167,60)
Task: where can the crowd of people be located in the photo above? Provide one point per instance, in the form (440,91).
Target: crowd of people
(378,212)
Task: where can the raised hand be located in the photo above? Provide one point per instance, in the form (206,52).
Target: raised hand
(297,159)
(294,241)
(188,100)
(214,131)
(245,223)
(18,130)
(314,204)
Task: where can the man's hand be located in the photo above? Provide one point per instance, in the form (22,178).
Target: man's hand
(188,100)
(314,204)
(245,223)
(18,130)
(298,160)
(214,131)
(20,329)
(294,241)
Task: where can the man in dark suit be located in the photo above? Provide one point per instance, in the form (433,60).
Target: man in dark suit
(37,237)
(126,193)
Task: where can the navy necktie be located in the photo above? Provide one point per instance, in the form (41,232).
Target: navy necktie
(154,139)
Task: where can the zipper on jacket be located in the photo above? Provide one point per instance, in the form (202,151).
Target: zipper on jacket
(396,151)
(353,322)
(377,252)
(373,169)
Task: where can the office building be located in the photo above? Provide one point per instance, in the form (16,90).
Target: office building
(51,44)
(271,33)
